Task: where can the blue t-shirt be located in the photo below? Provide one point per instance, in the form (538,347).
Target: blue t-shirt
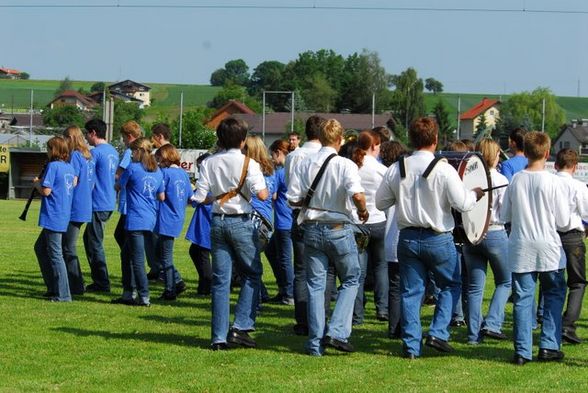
(125,161)
(282,211)
(265,207)
(56,208)
(199,229)
(513,165)
(105,163)
(142,188)
(172,210)
(81,208)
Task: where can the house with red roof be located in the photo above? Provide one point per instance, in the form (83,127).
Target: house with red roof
(73,98)
(487,109)
(9,73)
(232,107)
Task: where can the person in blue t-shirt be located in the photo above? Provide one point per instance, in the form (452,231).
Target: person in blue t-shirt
(81,210)
(279,249)
(143,182)
(172,211)
(105,159)
(518,161)
(56,187)
(198,233)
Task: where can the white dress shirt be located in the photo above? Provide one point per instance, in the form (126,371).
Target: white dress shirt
(533,206)
(424,203)
(576,193)
(221,173)
(332,198)
(371,174)
(497,180)
(294,158)
(392,235)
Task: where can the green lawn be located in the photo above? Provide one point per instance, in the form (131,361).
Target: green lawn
(90,345)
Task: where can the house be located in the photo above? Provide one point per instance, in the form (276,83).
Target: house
(99,97)
(11,122)
(73,98)
(469,120)
(133,89)
(574,136)
(9,73)
(231,108)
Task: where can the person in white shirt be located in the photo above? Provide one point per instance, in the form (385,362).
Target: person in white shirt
(532,206)
(232,233)
(572,239)
(423,207)
(328,237)
(371,173)
(492,250)
(291,165)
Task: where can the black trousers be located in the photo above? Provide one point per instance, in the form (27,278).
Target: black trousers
(201,259)
(573,245)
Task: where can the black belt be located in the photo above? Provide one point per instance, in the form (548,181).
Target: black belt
(423,229)
(223,215)
(570,232)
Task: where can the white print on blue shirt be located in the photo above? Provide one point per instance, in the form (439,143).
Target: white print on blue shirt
(68,179)
(149,187)
(180,189)
(112,163)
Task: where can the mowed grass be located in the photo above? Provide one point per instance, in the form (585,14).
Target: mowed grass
(90,345)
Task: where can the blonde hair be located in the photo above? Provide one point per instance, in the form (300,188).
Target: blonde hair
(255,149)
(75,141)
(57,149)
(489,150)
(143,147)
(131,128)
(536,145)
(331,132)
(167,155)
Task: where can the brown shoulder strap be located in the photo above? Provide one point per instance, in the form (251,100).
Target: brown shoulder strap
(225,196)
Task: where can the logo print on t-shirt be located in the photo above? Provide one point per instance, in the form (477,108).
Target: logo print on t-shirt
(149,187)
(112,159)
(69,183)
(180,190)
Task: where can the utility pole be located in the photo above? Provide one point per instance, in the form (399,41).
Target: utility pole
(181,118)
(543,117)
(458,116)
(373,109)
(31,121)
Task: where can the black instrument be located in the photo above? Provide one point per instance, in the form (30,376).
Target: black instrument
(24,213)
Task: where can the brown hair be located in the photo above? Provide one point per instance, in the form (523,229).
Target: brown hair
(469,144)
(131,128)
(331,131)
(390,151)
(161,129)
(255,149)
(57,149)
(536,145)
(456,146)
(280,145)
(384,133)
(143,147)
(423,132)
(365,140)
(231,132)
(566,158)
(489,150)
(75,141)
(167,155)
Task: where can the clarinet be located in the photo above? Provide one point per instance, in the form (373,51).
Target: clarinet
(24,213)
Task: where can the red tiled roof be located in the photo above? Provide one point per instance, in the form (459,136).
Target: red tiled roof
(238,105)
(80,97)
(478,109)
(9,71)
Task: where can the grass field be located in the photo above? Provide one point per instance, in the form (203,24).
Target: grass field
(90,345)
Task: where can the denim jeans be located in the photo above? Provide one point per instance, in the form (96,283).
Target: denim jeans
(575,250)
(300,289)
(322,244)
(233,239)
(133,271)
(493,249)
(554,292)
(93,243)
(151,253)
(461,304)
(394,310)
(279,255)
(374,253)
(165,256)
(201,258)
(420,251)
(49,253)
(69,242)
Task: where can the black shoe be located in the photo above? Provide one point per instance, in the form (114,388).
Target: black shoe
(381,317)
(337,344)
(457,323)
(300,330)
(152,276)
(570,337)
(438,344)
(219,347)
(48,294)
(96,288)
(240,337)
(549,355)
(126,302)
(519,360)
(180,287)
(430,301)
(494,335)
(168,295)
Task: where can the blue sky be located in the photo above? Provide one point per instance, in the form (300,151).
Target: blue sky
(500,50)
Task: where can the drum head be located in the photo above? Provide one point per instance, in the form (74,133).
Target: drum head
(474,173)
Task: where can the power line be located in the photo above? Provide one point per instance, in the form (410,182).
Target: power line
(304,7)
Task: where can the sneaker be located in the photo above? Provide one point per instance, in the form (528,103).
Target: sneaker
(288,301)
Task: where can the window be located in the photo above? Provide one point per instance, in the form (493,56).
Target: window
(566,144)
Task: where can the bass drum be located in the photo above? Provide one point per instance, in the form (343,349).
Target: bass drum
(471,226)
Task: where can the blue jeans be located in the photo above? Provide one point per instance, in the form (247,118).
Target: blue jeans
(421,251)
(323,243)
(234,239)
(165,257)
(493,250)
(374,253)
(300,289)
(279,255)
(93,243)
(133,269)
(553,286)
(70,255)
(48,249)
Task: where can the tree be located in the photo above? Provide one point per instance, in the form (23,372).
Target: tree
(481,126)
(24,75)
(320,97)
(408,101)
(233,92)
(195,135)
(433,85)
(218,77)
(442,117)
(63,86)
(64,116)
(269,76)
(98,87)
(235,72)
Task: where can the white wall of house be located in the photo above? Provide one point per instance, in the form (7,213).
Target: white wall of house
(566,139)
(144,96)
